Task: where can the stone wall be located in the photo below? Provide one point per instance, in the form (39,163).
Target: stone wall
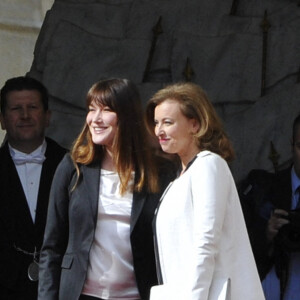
(82,41)
(20,23)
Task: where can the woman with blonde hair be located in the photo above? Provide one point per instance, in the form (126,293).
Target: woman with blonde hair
(202,246)
(98,240)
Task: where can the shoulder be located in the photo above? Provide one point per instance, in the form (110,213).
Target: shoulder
(258,184)
(284,175)
(210,160)
(4,150)
(207,169)
(66,162)
(65,168)
(65,174)
(263,179)
(5,158)
(67,165)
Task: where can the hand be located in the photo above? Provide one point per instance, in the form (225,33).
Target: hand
(275,222)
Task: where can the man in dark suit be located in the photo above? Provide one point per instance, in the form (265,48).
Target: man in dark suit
(28,161)
(272,212)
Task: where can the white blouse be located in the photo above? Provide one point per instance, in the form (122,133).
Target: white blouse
(110,272)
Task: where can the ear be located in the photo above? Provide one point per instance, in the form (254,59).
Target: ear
(194,126)
(2,122)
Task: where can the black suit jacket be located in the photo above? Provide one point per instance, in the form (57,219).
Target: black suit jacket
(72,218)
(260,194)
(17,229)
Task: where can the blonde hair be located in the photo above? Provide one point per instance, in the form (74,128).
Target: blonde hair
(194,104)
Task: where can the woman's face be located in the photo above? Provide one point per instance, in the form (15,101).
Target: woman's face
(174,130)
(102,122)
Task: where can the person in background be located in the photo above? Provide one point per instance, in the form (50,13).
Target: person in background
(203,248)
(99,241)
(28,161)
(271,201)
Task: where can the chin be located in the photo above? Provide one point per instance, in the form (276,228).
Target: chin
(97,142)
(166,150)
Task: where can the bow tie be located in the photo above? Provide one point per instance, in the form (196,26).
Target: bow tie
(20,158)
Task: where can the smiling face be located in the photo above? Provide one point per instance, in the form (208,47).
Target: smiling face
(175,131)
(102,122)
(25,120)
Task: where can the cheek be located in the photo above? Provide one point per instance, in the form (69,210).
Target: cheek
(171,132)
(110,119)
(10,122)
(114,122)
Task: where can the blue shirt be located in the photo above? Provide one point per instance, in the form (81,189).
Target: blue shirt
(271,284)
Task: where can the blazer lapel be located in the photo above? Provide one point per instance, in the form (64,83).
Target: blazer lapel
(138,202)
(91,181)
(19,204)
(16,201)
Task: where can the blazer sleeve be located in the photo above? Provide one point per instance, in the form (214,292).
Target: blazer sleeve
(210,184)
(56,232)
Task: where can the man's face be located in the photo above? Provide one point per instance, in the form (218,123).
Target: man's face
(296,151)
(25,120)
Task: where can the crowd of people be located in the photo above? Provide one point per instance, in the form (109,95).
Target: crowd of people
(112,219)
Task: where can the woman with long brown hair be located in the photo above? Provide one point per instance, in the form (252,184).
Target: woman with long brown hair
(98,240)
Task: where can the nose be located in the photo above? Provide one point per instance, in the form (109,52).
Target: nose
(97,115)
(158,129)
(24,113)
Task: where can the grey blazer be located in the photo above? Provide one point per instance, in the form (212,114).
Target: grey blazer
(71,222)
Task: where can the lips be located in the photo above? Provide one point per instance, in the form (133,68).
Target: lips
(25,125)
(99,129)
(163,141)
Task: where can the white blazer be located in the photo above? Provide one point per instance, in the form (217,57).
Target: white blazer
(202,237)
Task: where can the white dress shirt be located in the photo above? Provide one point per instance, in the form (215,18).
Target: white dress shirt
(29,168)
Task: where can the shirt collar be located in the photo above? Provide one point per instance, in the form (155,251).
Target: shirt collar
(39,150)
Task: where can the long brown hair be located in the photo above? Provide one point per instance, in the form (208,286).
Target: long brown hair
(131,151)
(194,104)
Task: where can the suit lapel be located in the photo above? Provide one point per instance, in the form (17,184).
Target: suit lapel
(137,206)
(91,181)
(17,206)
